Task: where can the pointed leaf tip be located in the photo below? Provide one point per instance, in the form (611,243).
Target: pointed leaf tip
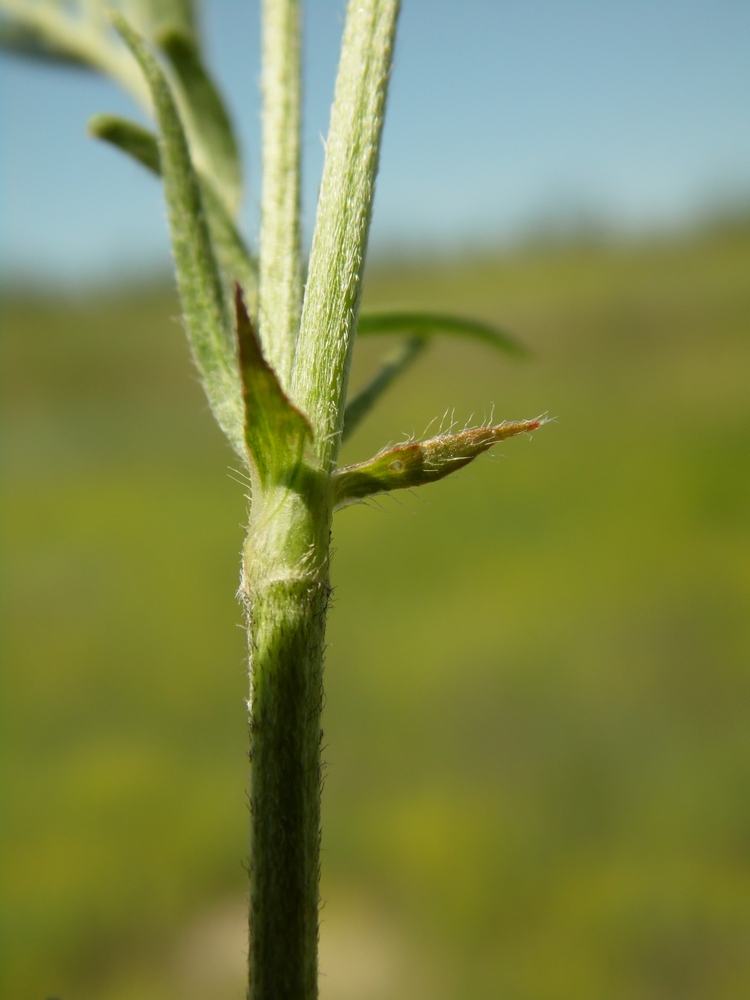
(416,463)
(276,432)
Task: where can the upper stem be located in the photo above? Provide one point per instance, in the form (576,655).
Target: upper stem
(280,263)
(329,312)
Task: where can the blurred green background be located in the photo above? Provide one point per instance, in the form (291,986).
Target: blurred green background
(538,682)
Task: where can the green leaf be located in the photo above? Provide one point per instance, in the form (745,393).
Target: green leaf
(24,40)
(131,138)
(73,31)
(276,432)
(198,278)
(234,259)
(160,15)
(416,463)
(427,323)
(334,284)
(172,26)
(421,326)
(237,264)
(213,143)
(392,366)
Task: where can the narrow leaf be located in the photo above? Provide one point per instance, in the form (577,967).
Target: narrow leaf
(332,295)
(233,257)
(235,260)
(392,366)
(198,279)
(280,262)
(73,33)
(131,138)
(24,40)
(275,430)
(212,138)
(160,15)
(427,323)
(416,463)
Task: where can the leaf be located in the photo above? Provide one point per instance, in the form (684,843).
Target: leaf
(198,278)
(24,40)
(392,366)
(131,138)
(421,325)
(172,26)
(233,257)
(235,260)
(73,32)
(275,431)
(416,463)
(427,323)
(214,146)
(158,15)
(329,311)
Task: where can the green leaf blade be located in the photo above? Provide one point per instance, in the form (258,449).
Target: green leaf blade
(155,16)
(27,40)
(198,279)
(213,142)
(426,324)
(276,432)
(74,33)
(138,142)
(235,261)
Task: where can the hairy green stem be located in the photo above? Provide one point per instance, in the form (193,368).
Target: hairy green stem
(334,284)
(275,370)
(285,590)
(285,583)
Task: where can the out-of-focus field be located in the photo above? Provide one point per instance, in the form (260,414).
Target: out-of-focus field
(538,682)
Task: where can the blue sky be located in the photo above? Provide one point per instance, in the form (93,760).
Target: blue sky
(505,116)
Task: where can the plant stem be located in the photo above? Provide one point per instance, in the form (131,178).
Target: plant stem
(337,257)
(280,260)
(285,589)
(285,583)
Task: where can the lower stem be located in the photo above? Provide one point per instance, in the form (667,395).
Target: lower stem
(286,628)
